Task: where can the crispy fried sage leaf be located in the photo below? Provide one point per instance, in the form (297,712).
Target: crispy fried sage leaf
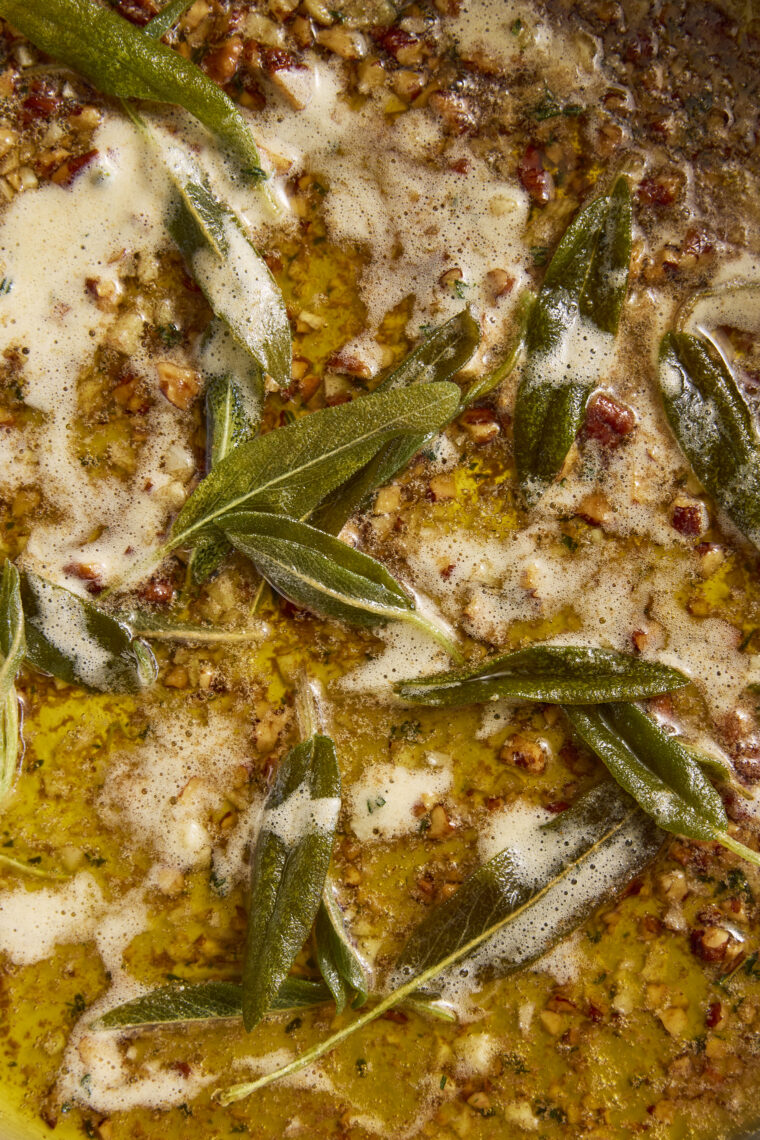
(234,401)
(234,278)
(583,856)
(293,469)
(714,427)
(13,649)
(556,673)
(338,961)
(586,282)
(76,642)
(206,1001)
(119,59)
(660,775)
(289,867)
(156,627)
(169,15)
(438,358)
(589,853)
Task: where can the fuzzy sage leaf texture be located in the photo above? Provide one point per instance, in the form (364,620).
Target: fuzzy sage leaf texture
(558,674)
(510,916)
(13,649)
(714,427)
(288,869)
(291,470)
(438,358)
(338,960)
(571,328)
(75,641)
(531,900)
(662,776)
(120,60)
(206,1001)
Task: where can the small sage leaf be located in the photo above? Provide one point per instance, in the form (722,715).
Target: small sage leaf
(291,470)
(339,963)
(13,649)
(560,674)
(288,870)
(75,641)
(156,627)
(714,427)
(576,862)
(119,59)
(206,1001)
(169,15)
(660,775)
(316,571)
(438,358)
(585,284)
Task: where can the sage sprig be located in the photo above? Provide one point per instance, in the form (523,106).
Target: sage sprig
(558,674)
(13,649)
(320,573)
(338,960)
(661,775)
(291,470)
(714,426)
(206,1001)
(438,358)
(582,870)
(289,868)
(585,285)
(75,641)
(121,60)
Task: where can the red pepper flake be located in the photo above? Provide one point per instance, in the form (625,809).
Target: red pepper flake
(392,39)
(557,806)
(395,1015)
(66,173)
(714,1014)
(537,181)
(39,105)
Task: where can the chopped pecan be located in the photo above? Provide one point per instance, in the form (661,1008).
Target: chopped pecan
(608,421)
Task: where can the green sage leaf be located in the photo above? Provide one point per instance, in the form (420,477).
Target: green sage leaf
(558,674)
(588,868)
(585,284)
(576,862)
(438,358)
(75,641)
(289,868)
(156,627)
(119,59)
(661,776)
(291,470)
(714,427)
(169,15)
(206,1001)
(13,649)
(338,961)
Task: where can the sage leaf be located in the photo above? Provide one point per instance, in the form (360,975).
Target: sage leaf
(438,358)
(585,285)
(714,427)
(234,403)
(582,869)
(156,627)
(660,775)
(120,60)
(206,1001)
(233,277)
(485,384)
(75,641)
(291,470)
(338,961)
(576,862)
(13,649)
(169,15)
(288,870)
(558,674)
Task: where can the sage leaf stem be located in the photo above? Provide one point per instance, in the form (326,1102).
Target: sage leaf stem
(13,649)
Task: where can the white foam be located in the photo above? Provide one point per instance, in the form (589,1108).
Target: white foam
(34,921)
(382,801)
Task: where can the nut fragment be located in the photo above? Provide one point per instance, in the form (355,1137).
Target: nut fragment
(443,487)
(524,753)
(481,425)
(689,517)
(439,823)
(180,385)
(710,943)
